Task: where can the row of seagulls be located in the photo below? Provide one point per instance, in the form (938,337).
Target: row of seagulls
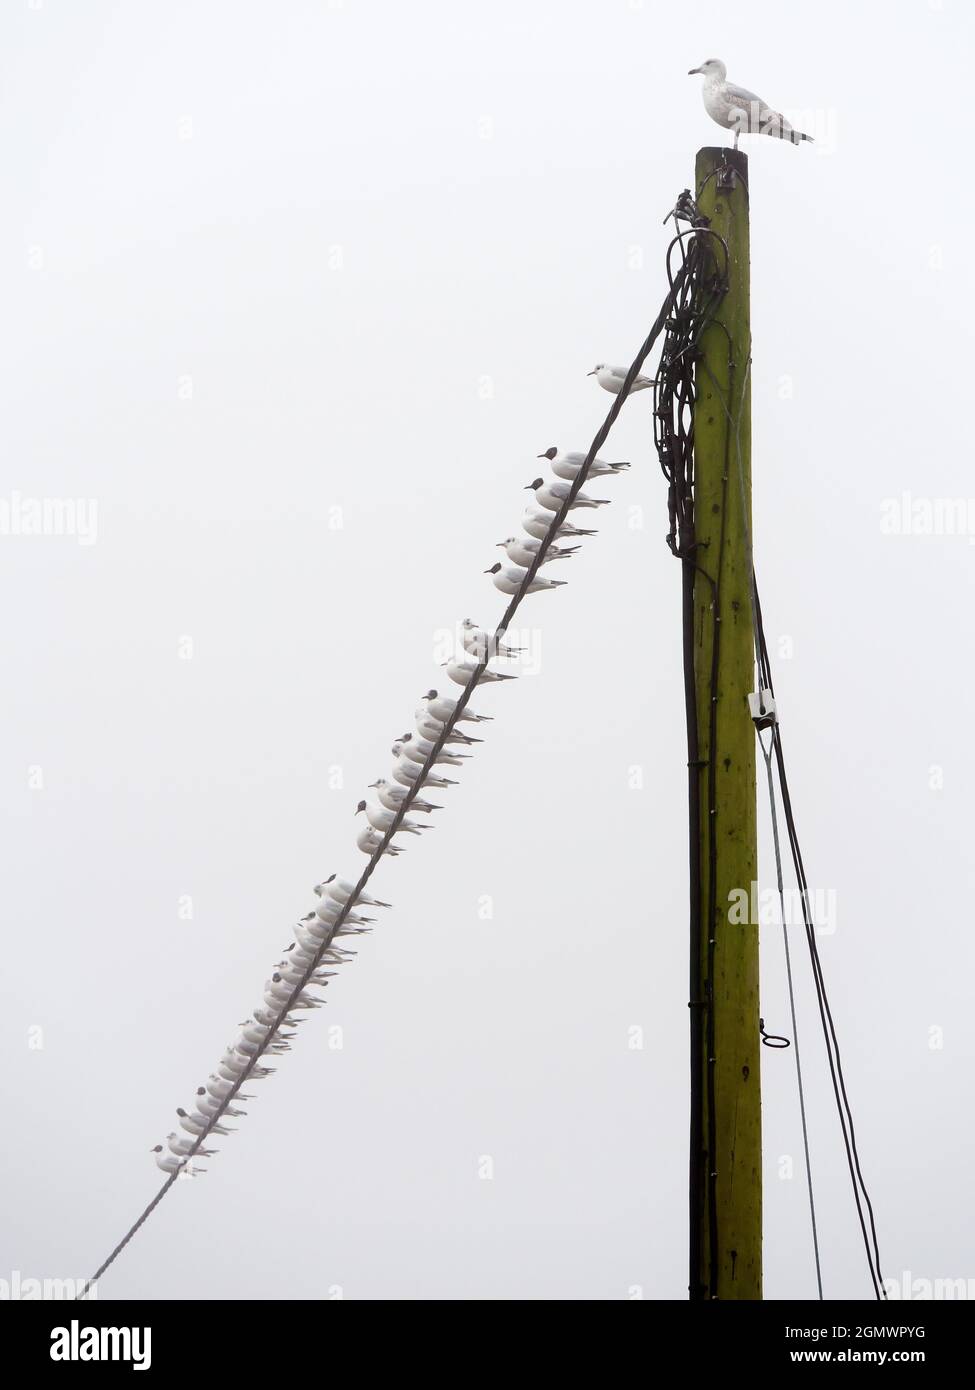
(550,496)
(435,741)
(272,1027)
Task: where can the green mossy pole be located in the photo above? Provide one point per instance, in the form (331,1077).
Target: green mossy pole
(729,1175)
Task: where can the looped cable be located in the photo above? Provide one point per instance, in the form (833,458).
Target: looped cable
(772,1039)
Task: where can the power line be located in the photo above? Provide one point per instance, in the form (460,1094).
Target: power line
(843,1108)
(462,701)
(767,756)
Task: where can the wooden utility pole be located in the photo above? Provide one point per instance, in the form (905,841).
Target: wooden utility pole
(726,1183)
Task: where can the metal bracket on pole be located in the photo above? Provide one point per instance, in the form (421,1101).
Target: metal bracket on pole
(761,703)
(726,177)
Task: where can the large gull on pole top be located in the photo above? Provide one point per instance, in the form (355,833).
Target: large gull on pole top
(738,109)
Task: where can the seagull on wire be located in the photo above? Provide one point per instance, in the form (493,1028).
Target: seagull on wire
(431,730)
(418,749)
(233,1064)
(196,1124)
(738,109)
(369,841)
(407,772)
(611,379)
(476,641)
(461,671)
(266,1016)
(278,991)
(538,523)
(381,819)
(181,1147)
(216,1087)
(509,580)
(310,946)
(523,552)
(328,910)
(442,707)
(393,797)
(569,465)
(209,1105)
(552,495)
(170,1164)
(341,891)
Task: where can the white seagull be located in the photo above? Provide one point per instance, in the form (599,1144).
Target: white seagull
(738,109)
(181,1147)
(523,552)
(442,707)
(217,1087)
(568,465)
(611,379)
(538,523)
(419,746)
(341,890)
(209,1105)
(476,641)
(393,797)
(460,672)
(429,728)
(418,749)
(170,1164)
(368,840)
(407,772)
(328,911)
(381,819)
(509,580)
(196,1124)
(552,495)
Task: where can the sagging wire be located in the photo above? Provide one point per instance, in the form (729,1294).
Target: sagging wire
(676,283)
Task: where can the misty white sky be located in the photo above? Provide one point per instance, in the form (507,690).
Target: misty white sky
(295,293)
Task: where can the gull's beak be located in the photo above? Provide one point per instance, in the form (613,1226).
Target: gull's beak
(487,571)
(500,545)
(357,810)
(692,71)
(528,487)
(541,456)
(374,784)
(593,372)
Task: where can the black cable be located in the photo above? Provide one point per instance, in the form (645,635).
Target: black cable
(844,1110)
(676,284)
(674,399)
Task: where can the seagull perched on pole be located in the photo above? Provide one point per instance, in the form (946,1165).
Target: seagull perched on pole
(738,109)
